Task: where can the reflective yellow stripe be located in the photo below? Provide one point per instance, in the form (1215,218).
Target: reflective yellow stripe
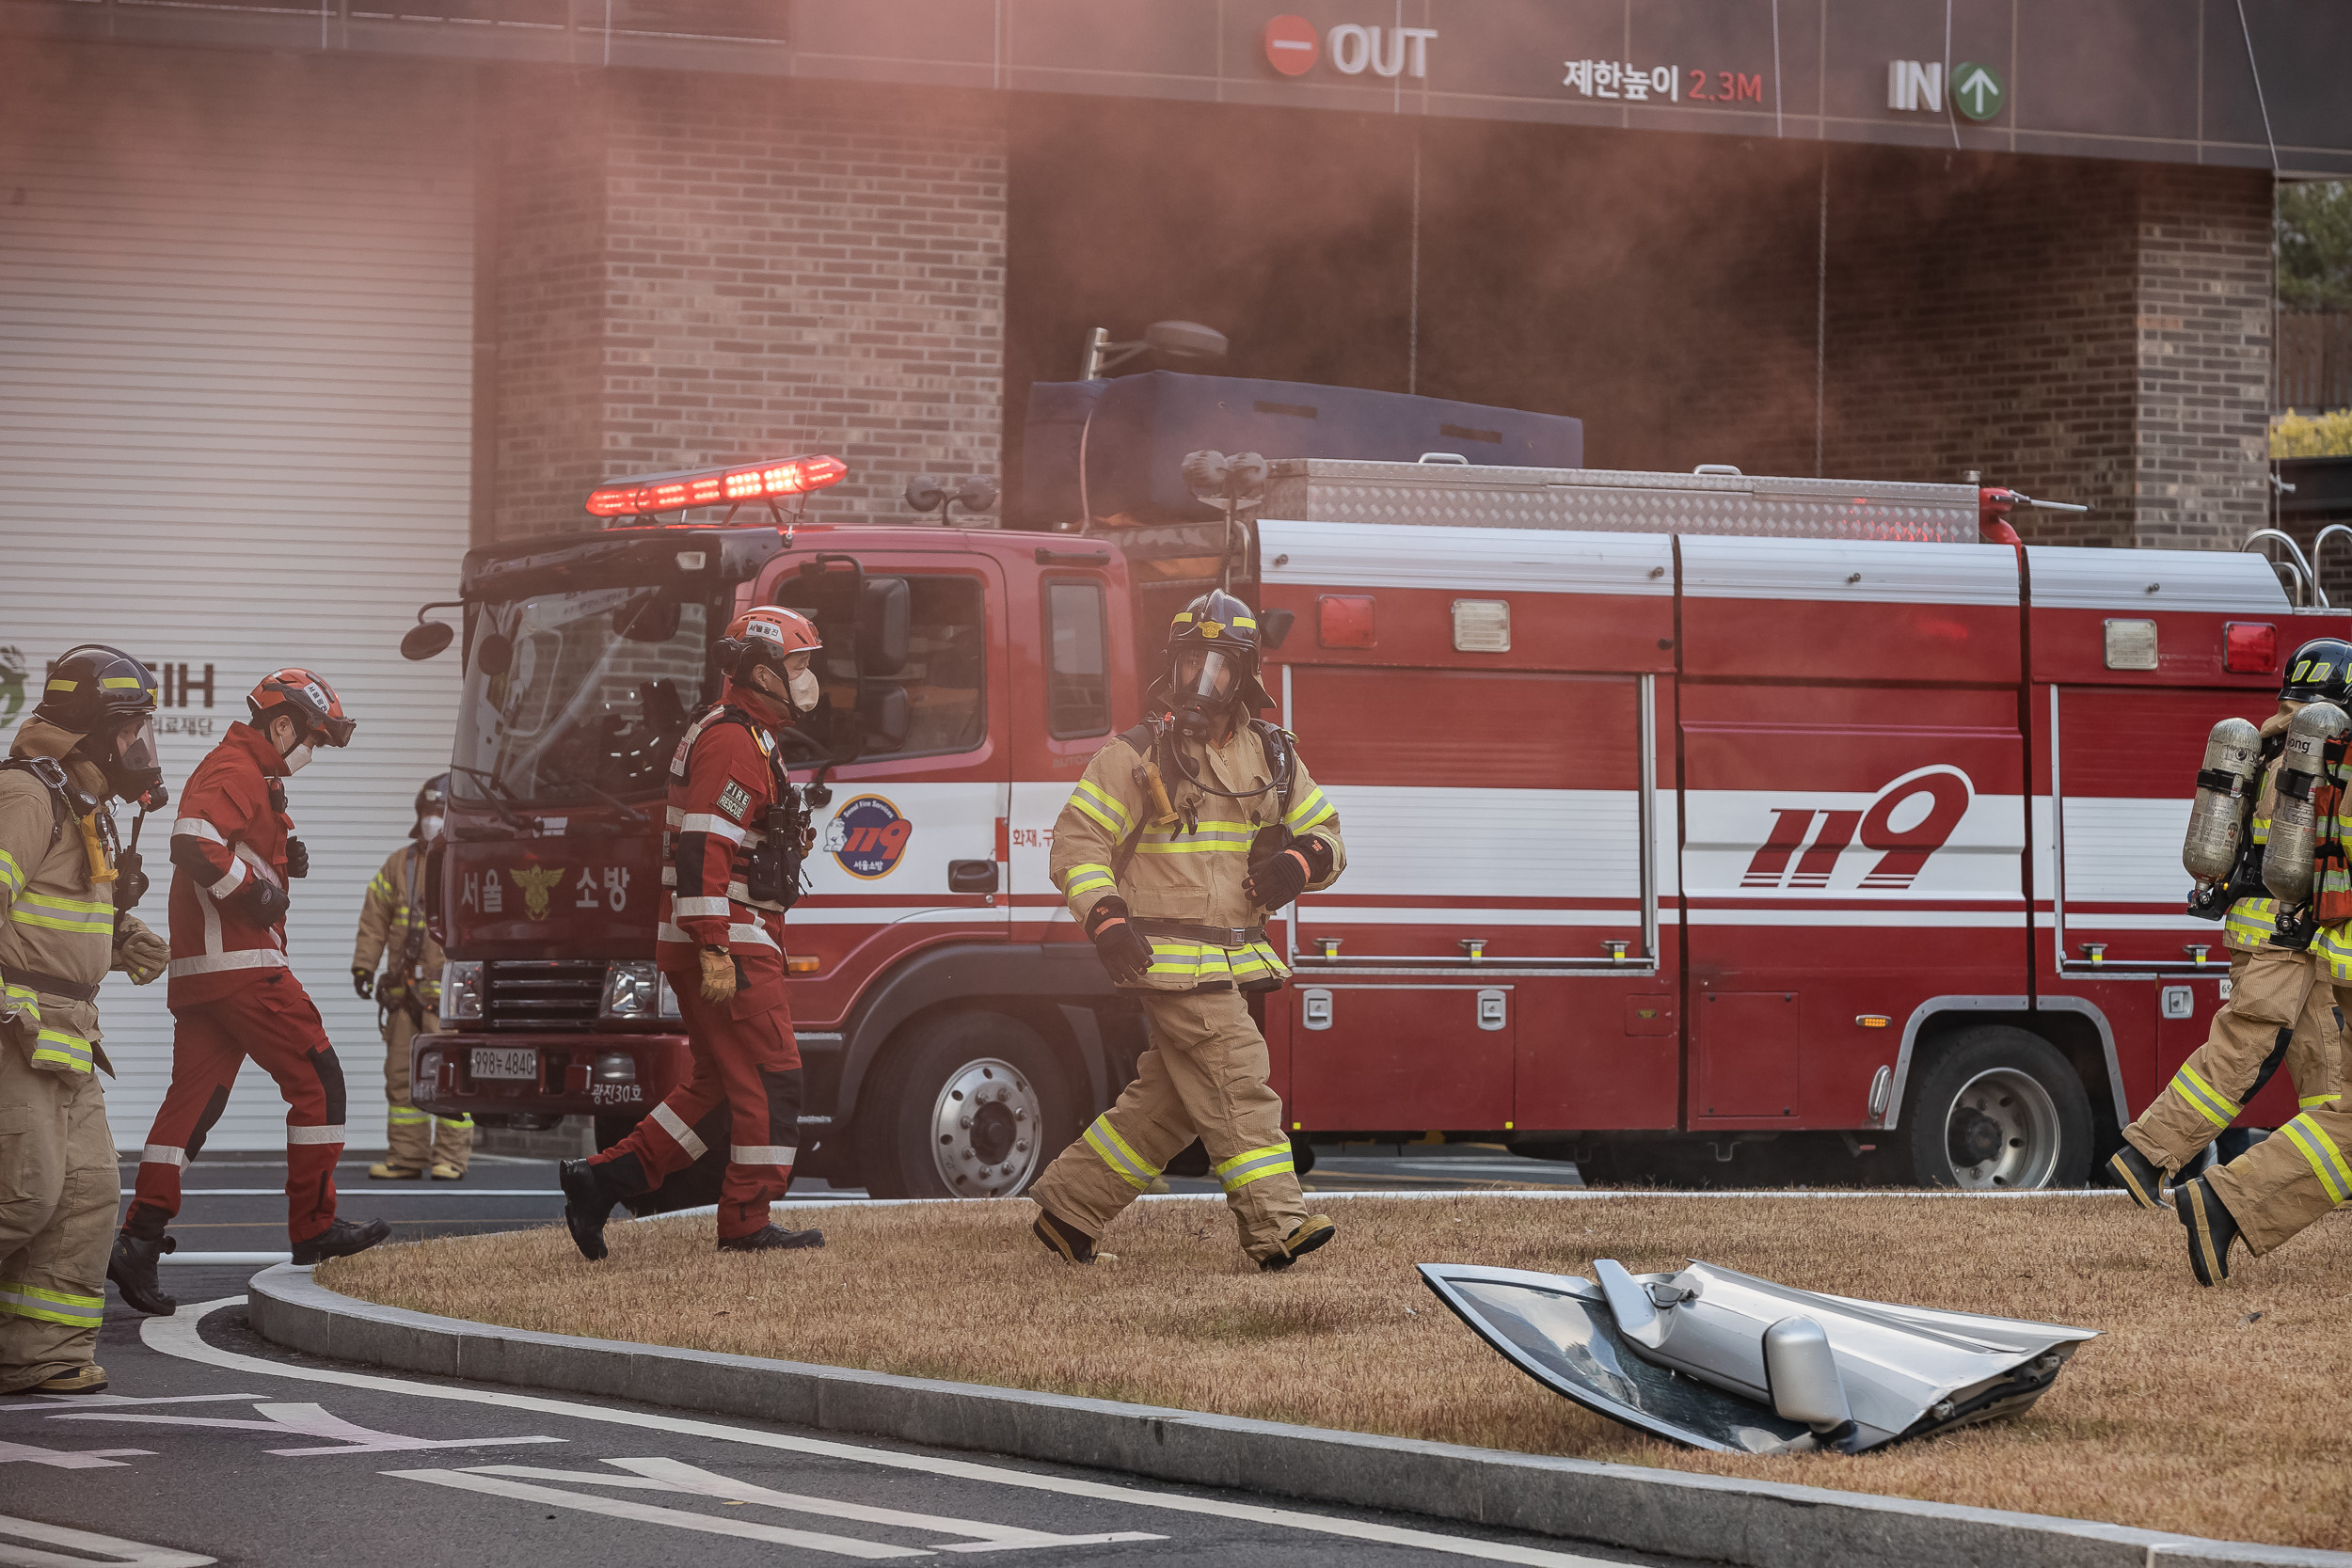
(1306,812)
(75,906)
(407,1116)
(2334,945)
(466,1120)
(119,682)
(2208,1102)
(1252,1165)
(1197,844)
(2310,1099)
(2326,1159)
(1131,1167)
(22,1000)
(78,924)
(2251,922)
(11,877)
(380,885)
(58,685)
(1102,806)
(54,1307)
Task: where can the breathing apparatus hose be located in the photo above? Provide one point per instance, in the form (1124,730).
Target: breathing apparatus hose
(1281,783)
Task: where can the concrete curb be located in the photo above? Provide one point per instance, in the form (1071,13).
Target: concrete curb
(1751,1523)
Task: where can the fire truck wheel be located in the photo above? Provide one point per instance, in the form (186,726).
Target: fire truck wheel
(1997,1109)
(967,1104)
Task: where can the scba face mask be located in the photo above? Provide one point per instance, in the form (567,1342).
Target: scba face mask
(136,766)
(1204,683)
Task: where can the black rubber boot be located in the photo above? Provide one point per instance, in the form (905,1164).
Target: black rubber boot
(587,1203)
(340,1239)
(773,1238)
(1312,1232)
(2211,1230)
(2137,1175)
(1063,1239)
(133,1270)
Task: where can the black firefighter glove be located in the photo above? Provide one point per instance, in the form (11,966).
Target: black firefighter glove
(1122,948)
(362,980)
(1275,880)
(265,902)
(298,858)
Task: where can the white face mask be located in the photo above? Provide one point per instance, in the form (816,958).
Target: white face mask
(428,827)
(299,759)
(803,689)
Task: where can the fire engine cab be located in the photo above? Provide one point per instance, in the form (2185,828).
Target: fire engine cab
(1698,823)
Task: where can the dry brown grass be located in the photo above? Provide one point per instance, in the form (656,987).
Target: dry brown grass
(2217,1413)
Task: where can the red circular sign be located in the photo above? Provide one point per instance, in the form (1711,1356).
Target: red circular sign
(1292,45)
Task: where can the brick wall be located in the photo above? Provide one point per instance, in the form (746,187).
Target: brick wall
(2204,345)
(2089,332)
(689,278)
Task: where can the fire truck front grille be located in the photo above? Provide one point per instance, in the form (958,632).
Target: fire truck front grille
(541,993)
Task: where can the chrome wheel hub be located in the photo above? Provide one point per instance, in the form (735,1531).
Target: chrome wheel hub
(985,1130)
(2001,1133)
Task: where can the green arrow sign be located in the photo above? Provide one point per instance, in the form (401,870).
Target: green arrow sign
(1977,90)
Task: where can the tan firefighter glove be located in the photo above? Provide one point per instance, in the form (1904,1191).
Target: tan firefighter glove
(718,976)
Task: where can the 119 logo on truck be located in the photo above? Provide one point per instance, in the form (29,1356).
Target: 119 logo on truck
(1794,828)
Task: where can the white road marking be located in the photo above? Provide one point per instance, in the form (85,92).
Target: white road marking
(67,1459)
(353,1193)
(673,1475)
(95,1401)
(309,1420)
(178,1336)
(102,1551)
(620,1508)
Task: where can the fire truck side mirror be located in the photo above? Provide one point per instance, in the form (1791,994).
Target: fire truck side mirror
(883,614)
(884,719)
(425,639)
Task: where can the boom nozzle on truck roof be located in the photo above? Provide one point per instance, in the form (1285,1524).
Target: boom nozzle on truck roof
(649,494)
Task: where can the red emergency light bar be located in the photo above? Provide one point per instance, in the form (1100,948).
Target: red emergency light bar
(716,486)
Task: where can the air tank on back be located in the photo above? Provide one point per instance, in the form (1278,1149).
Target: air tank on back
(2216,822)
(2294,842)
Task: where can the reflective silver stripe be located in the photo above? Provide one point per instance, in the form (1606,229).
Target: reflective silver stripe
(314,1134)
(252,856)
(220,963)
(756,935)
(195,826)
(668,932)
(693,909)
(760,1154)
(230,884)
(681,1135)
(164,1154)
(708,822)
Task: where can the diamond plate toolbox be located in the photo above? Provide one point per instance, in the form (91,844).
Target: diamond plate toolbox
(1458,495)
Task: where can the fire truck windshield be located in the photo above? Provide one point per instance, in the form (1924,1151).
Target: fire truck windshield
(579,698)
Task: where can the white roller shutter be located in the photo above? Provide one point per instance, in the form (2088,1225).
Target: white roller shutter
(236,371)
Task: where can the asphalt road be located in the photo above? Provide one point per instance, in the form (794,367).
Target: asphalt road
(212,1445)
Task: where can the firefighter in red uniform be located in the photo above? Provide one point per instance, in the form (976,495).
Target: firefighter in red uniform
(233,995)
(733,849)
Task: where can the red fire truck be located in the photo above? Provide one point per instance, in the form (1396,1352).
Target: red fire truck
(1696,823)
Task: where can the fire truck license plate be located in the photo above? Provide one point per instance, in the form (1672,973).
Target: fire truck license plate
(490,1062)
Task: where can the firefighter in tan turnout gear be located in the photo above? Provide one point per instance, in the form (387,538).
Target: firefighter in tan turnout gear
(66,890)
(2282,1010)
(408,999)
(2301,1171)
(1180,839)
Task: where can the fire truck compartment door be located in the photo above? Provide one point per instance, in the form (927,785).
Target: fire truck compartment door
(2123,769)
(1440,1056)
(1493,818)
(1748,1045)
